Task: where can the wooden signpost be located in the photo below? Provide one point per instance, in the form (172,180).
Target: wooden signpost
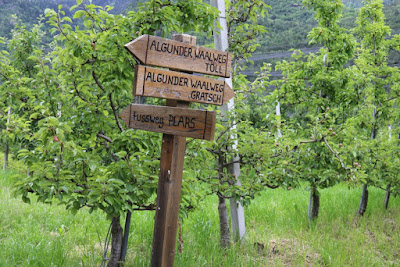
(157,51)
(198,124)
(180,86)
(175,120)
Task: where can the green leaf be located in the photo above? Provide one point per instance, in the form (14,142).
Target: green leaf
(78,14)
(26,199)
(117,181)
(67,19)
(74,211)
(121,154)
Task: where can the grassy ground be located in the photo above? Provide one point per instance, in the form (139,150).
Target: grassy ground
(278,232)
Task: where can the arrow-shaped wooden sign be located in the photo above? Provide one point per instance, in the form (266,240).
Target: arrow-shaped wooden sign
(194,123)
(161,52)
(180,86)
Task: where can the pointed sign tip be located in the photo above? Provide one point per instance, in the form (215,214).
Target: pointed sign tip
(228,93)
(161,52)
(125,114)
(138,48)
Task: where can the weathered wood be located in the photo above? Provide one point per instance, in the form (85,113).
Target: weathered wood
(168,198)
(186,122)
(180,86)
(161,52)
(169,189)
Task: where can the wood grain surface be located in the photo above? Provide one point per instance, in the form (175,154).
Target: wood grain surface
(161,52)
(180,86)
(199,124)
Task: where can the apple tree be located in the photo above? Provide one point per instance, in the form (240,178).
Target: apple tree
(311,95)
(375,89)
(84,156)
(17,68)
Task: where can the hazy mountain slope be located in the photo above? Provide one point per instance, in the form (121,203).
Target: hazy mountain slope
(288,22)
(358,3)
(29,10)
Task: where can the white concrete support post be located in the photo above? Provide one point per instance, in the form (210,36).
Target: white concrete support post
(278,114)
(221,43)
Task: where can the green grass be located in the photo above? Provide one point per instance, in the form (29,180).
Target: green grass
(278,232)
(45,235)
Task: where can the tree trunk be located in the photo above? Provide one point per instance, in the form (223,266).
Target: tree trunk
(364,194)
(313,204)
(124,248)
(223,223)
(387,197)
(116,243)
(364,200)
(6,152)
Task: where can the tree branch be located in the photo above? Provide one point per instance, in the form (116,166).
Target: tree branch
(312,141)
(94,59)
(91,16)
(115,158)
(59,27)
(111,101)
(5,77)
(226,130)
(334,153)
(60,159)
(146,207)
(115,113)
(271,186)
(77,92)
(96,79)
(108,139)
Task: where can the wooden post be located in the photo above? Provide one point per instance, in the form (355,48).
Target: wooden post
(176,121)
(169,188)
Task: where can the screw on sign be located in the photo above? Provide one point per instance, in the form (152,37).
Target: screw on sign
(175,120)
